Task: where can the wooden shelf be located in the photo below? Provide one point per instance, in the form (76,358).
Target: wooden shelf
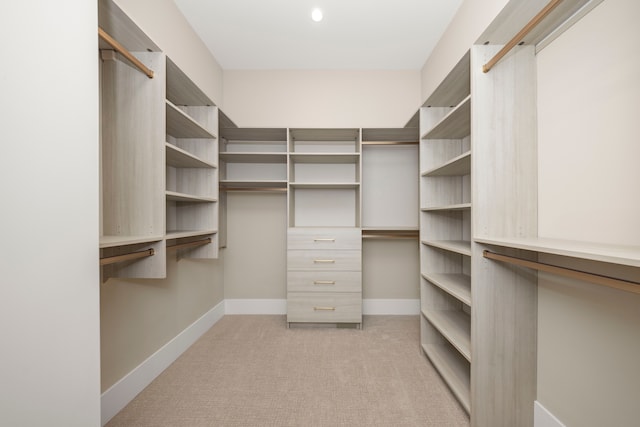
(179,158)
(455,326)
(228,183)
(455,87)
(181,197)
(325,185)
(253,157)
(453,369)
(181,90)
(180,234)
(458,166)
(448,208)
(181,125)
(462,247)
(455,125)
(324,135)
(253,134)
(613,254)
(325,157)
(456,285)
(113,241)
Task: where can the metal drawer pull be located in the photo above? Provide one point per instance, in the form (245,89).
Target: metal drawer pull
(324,282)
(324,240)
(324,309)
(324,261)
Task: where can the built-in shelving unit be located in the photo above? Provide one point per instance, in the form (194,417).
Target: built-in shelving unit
(324,242)
(445,230)
(191,165)
(159,155)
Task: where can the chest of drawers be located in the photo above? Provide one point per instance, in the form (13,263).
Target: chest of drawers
(324,275)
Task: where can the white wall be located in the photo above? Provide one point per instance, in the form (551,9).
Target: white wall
(321,98)
(49,314)
(588,339)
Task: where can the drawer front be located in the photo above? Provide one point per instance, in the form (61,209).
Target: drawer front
(324,281)
(324,238)
(324,260)
(328,308)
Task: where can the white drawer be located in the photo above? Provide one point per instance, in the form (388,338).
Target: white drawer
(324,260)
(324,238)
(327,308)
(324,281)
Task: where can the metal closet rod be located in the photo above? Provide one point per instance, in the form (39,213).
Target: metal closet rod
(522,34)
(190,244)
(612,282)
(124,52)
(127,257)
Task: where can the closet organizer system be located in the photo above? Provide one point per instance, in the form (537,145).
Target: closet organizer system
(159,156)
(327,176)
(478,219)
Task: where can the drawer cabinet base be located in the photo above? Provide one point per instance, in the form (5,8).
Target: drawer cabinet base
(344,307)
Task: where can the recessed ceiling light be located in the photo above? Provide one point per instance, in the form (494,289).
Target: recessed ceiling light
(316,14)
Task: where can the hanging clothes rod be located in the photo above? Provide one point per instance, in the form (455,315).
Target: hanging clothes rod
(390,142)
(190,244)
(522,34)
(127,257)
(118,47)
(612,282)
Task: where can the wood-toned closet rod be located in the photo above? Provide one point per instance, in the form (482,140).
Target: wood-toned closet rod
(390,142)
(127,257)
(522,34)
(190,244)
(612,282)
(256,189)
(124,52)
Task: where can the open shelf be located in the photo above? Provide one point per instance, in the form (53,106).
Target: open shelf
(182,197)
(181,125)
(179,158)
(456,285)
(462,247)
(460,165)
(455,125)
(613,254)
(230,184)
(330,158)
(455,326)
(253,157)
(453,370)
(447,208)
(180,234)
(113,241)
(325,185)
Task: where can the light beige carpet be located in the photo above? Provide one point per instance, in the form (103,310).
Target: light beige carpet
(253,371)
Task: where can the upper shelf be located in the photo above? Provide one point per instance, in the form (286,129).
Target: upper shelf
(325,157)
(613,254)
(324,135)
(455,125)
(181,125)
(119,26)
(181,90)
(455,87)
(254,134)
(179,158)
(458,166)
(253,157)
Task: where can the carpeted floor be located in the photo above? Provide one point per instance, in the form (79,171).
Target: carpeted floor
(253,371)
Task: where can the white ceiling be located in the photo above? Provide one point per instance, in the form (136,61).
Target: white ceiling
(354,34)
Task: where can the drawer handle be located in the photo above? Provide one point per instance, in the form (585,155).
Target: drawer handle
(324,261)
(324,282)
(324,240)
(324,309)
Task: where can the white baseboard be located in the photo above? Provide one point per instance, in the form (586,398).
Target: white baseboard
(543,418)
(255,306)
(121,393)
(279,306)
(396,307)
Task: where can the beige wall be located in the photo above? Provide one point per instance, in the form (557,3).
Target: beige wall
(138,317)
(163,22)
(588,339)
(321,98)
(470,21)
